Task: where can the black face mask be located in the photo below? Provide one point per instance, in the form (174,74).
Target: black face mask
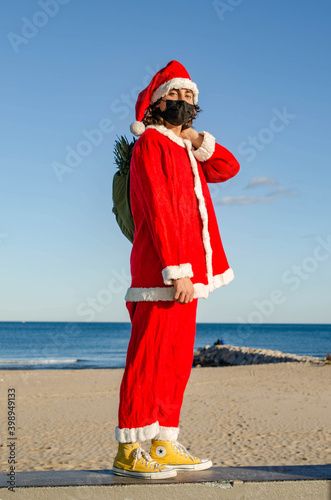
(177,112)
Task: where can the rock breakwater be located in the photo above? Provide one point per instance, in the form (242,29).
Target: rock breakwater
(228,355)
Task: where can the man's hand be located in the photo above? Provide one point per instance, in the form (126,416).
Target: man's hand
(193,136)
(183,290)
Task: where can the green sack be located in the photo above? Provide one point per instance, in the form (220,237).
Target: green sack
(122,205)
(121,187)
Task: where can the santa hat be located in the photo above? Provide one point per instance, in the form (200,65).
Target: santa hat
(172,76)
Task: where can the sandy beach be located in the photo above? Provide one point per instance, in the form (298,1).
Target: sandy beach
(273,414)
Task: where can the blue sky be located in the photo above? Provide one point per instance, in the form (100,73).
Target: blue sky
(70,68)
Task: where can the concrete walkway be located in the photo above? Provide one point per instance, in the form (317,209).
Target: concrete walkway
(246,483)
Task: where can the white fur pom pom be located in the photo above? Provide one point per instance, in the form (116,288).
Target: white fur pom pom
(137,128)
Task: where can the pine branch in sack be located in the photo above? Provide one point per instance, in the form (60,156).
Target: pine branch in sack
(123,153)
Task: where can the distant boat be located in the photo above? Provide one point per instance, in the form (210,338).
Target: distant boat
(23,321)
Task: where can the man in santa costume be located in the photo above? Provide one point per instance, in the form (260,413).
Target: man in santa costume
(176,258)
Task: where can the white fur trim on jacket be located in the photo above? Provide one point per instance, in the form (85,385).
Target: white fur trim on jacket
(170,273)
(202,291)
(169,133)
(136,434)
(207,148)
(184,143)
(203,214)
(167,433)
(175,83)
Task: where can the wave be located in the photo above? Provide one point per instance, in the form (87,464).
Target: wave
(36,361)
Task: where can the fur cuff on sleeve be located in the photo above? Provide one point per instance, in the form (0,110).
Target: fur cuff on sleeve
(207,148)
(170,273)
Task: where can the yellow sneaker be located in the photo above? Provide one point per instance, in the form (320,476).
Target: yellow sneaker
(177,456)
(132,460)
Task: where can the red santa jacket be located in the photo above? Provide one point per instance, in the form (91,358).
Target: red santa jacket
(176,230)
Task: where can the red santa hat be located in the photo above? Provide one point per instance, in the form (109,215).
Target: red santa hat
(172,76)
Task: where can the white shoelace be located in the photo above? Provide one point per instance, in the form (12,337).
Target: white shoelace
(182,449)
(141,453)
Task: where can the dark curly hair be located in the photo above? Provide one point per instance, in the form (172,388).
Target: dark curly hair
(153,115)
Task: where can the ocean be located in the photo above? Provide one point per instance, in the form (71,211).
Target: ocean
(56,345)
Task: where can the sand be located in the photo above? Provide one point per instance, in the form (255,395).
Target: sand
(276,414)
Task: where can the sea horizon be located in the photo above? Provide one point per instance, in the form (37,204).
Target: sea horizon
(82,345)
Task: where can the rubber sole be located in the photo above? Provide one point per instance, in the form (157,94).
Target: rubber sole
(202,466)
(171,472)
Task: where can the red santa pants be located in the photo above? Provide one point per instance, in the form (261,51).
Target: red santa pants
(158,366)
